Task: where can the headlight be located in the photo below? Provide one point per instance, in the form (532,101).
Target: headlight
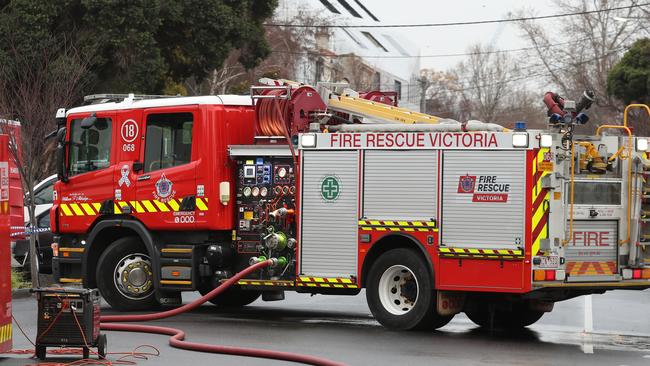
(546,141)
(308,140)
(641,144)
(520,139)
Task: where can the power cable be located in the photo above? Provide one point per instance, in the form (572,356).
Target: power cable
(441,55)
(476,22)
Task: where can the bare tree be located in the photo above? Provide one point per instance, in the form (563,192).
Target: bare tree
(522,104)
(486,79)
(441,97)
(32,88)
(582,49)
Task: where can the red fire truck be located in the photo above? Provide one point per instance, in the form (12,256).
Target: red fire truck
(11,129)
(432,217)
(5,253)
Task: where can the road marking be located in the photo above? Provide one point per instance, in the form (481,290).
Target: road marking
(589,315)
(587,341)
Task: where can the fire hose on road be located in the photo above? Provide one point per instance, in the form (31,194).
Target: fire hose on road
(177,339)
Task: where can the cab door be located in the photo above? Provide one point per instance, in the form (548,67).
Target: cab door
(90,164)
(166,185)
(129,125)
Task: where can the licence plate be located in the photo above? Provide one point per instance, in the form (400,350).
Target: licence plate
(550,262)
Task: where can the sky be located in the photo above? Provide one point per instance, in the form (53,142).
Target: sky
(456,39)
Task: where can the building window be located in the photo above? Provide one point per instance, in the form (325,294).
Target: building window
(168,140)
(366,10)
(398,88)
(90,148)
(330,7)
(374,41)
(395,44)
(354,38)
(320,69)
(349,9)
(376,81)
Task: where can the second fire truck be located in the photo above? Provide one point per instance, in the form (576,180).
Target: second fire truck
(432,217)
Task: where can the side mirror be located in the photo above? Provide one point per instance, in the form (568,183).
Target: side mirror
(60,163)
(89,121)
(60,134)
(60,155)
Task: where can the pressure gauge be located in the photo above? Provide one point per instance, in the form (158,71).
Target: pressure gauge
(256,191)
(247,191)
(264,191)
(282,172)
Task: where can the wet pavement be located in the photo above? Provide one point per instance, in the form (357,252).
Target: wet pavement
(342,329)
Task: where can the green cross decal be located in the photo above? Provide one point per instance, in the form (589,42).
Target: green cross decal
(330,188)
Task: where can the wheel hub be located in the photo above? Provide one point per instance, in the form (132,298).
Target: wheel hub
(133,276)
(398,290)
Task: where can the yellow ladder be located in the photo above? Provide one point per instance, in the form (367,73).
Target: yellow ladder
(368,108)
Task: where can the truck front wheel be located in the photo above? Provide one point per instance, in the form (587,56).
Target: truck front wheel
(125,276)
(400,292)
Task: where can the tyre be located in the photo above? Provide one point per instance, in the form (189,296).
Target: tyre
(519,315)
(400,292)
(102,346)
(125,276)
(41,352)
(232,297)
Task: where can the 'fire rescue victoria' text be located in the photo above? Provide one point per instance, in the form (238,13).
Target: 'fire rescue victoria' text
(413,140)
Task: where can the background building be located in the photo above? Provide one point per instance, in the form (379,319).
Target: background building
(367,58)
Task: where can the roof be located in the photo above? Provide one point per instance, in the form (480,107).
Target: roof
(9,122)
(386,49)
(238,100)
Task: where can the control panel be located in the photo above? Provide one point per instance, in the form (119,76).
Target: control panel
(265,212)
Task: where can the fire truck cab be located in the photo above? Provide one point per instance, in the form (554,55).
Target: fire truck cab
(431,217)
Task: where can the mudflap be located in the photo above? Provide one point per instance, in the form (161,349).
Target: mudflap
(450,302)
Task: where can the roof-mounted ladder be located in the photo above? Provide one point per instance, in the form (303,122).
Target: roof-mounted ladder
(109,97)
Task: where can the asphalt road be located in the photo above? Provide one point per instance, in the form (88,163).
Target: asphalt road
(342,329)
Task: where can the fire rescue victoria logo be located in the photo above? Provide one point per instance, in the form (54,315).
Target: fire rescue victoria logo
(164,189)
(484,188)
(330,188)
(466,184)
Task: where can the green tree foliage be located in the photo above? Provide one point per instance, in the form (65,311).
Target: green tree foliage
(145,46)
(629,79)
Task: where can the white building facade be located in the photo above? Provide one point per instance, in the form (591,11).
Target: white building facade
(368,58)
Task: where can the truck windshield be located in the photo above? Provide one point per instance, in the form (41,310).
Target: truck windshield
(90,149)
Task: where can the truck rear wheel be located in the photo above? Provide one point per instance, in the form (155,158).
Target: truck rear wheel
(232,297)
(125,275)
(400,292)
(519,316)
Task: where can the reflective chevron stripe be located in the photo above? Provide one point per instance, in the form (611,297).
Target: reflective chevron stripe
(140,207)
(265,283)
(326,282)
(383,225)
(5,333)
(591,268)
(480,253)
(540,197)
